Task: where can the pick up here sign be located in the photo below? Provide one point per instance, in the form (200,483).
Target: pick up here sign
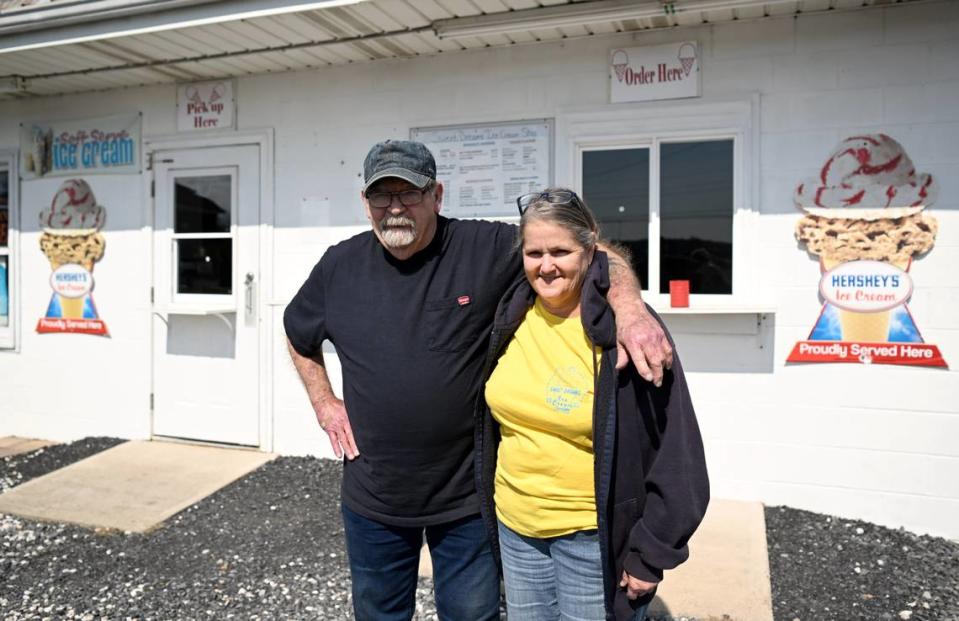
(205,106)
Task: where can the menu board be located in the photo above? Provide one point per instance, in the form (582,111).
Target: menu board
(484,168)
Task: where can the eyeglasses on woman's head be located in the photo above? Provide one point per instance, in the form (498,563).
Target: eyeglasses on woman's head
(557,197)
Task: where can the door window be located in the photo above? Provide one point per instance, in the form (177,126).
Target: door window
(202,234)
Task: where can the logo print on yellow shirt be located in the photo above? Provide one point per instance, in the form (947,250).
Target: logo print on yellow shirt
(566,389)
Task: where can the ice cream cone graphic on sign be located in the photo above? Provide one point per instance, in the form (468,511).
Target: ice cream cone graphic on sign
(72,243)
(864,219)
(687,56)
(619,62)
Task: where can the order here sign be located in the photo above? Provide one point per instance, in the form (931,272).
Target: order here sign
(654,72)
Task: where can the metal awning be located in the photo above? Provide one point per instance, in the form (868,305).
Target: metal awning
(52,47)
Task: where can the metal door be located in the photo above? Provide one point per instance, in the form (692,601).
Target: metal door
(205,309)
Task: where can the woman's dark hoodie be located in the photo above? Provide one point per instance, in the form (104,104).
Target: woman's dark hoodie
(649,469)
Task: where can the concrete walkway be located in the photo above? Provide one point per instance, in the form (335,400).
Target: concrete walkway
(727,575)
(133,487)
(12,445)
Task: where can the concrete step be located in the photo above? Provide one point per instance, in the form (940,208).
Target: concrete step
(12,445)
(727,575)
(133,486)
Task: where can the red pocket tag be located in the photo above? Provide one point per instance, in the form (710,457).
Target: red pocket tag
(463,300)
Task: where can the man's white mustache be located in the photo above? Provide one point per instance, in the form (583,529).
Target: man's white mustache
(398,221)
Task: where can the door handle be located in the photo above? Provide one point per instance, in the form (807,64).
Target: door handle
(250,297)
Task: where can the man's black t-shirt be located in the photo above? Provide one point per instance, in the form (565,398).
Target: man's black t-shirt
(411,337)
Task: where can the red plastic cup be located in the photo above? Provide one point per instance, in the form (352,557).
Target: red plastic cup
(679,293)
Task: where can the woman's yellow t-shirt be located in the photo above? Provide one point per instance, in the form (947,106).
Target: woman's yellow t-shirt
(541,393)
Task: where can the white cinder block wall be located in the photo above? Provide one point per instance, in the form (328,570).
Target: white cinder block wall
(67,386)
(871,442)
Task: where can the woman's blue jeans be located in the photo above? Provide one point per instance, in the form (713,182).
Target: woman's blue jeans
(555,578)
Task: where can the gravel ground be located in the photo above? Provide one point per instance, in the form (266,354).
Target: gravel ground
(824,567)
(270,546)
(19,469)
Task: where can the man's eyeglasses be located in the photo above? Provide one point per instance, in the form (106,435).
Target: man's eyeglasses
(408,198)
(557,197)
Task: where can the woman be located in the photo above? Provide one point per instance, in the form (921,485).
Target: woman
(591,480)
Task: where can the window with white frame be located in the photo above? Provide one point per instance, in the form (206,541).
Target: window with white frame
(202,233)
(671,203)
(677,184)
(7,256)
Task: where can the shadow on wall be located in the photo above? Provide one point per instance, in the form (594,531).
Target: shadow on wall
(734,343)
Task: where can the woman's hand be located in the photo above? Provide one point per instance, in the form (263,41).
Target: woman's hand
(636,587)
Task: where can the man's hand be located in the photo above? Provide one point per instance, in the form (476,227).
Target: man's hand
(330,411)
(637,332)
(333,419)
(640,335)
(635,587)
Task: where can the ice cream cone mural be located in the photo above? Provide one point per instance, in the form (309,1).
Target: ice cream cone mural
(72,242)
(865,220)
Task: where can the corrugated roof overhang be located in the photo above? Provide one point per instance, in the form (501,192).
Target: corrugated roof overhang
(68,46)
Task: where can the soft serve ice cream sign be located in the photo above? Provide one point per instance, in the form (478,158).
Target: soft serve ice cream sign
(72,242)
(865,220)
(103,145)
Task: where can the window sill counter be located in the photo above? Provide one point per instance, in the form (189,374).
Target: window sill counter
(715,310)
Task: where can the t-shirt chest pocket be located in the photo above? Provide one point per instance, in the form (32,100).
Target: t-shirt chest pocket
(451,323)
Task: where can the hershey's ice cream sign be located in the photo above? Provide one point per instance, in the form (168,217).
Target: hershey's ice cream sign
(73,243)
(865,220)
(205,105)
(655,72)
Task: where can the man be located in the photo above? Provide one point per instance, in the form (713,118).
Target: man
(409,307)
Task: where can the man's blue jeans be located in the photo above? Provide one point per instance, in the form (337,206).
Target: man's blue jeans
(555,578)
(384,560)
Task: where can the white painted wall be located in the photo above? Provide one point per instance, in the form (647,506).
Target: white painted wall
(66,386)
(870,442)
